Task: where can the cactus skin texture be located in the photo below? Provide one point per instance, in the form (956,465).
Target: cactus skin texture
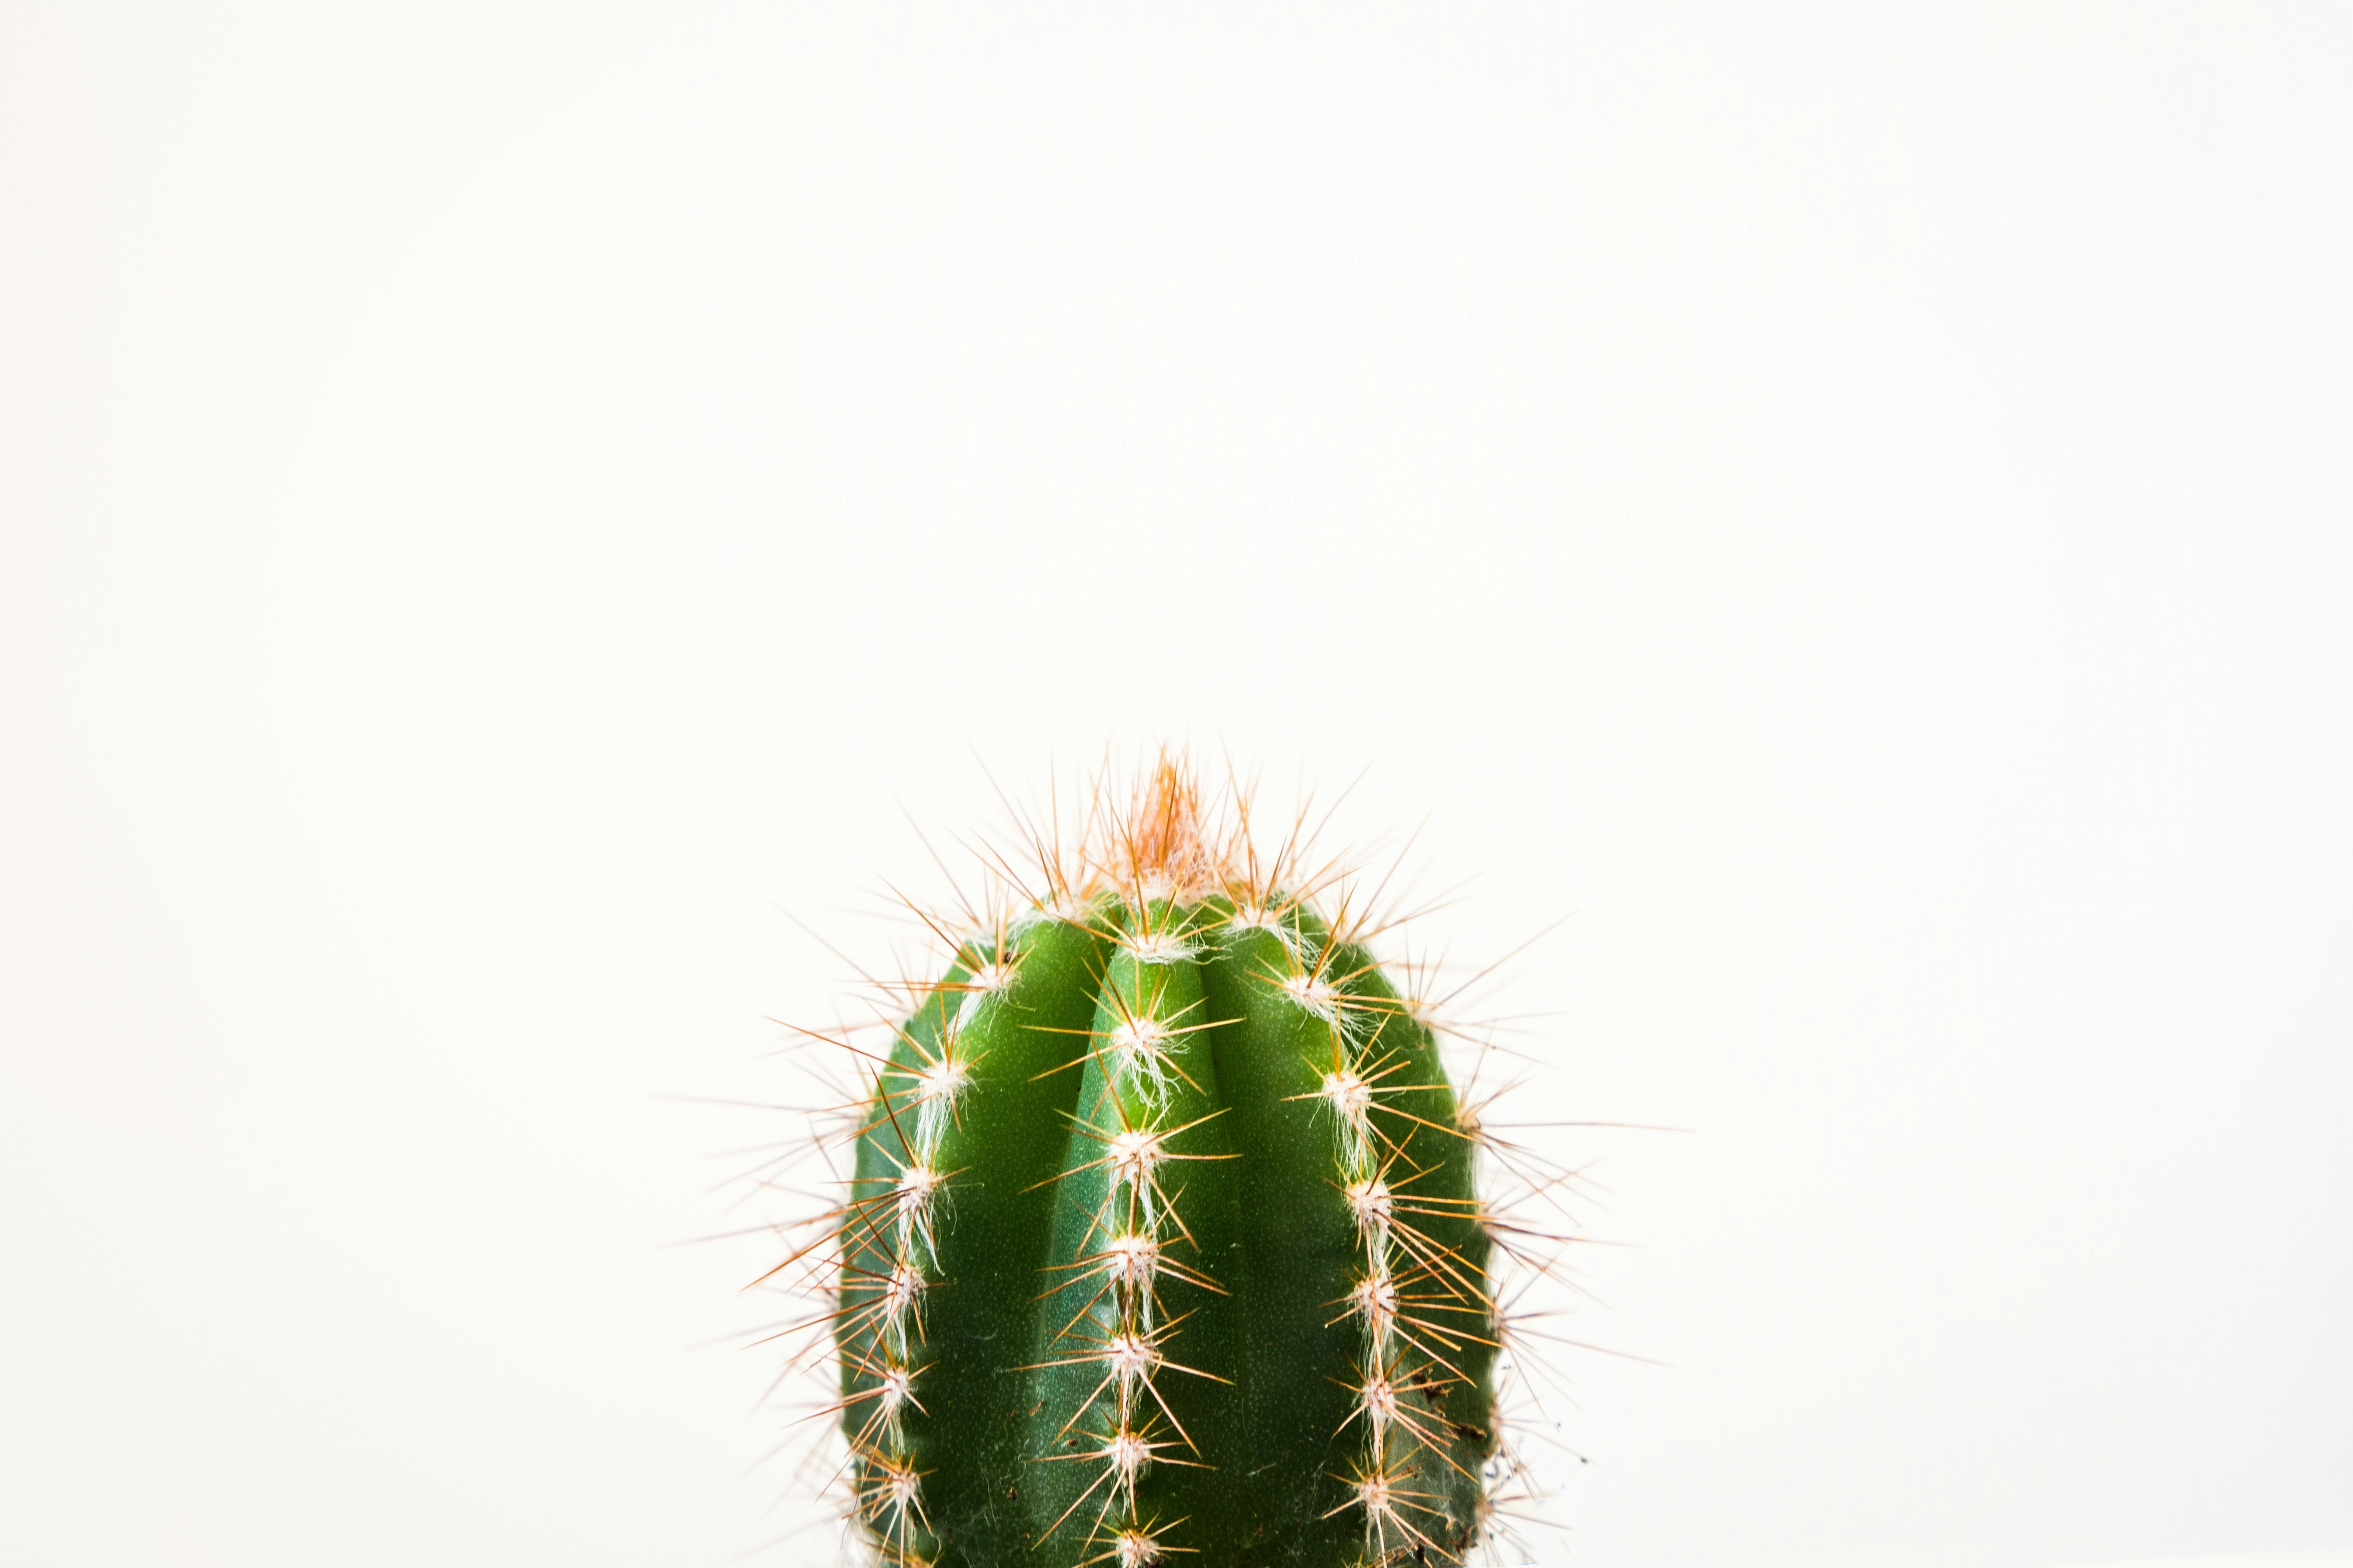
(1162,1244)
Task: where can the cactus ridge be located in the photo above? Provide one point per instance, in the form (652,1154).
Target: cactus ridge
(1163,1240)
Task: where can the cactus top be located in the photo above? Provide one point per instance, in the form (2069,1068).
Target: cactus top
(1163,1243)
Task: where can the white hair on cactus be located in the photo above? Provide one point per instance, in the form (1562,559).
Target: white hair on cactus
(1313,992)
(1158,947)
(1135,1159)
(903,1294)
(1382,1493)
(1375,1300)
(937,1089)
(917,1185)
(1257,916)
(897,1391)
(1139,1049)
(1157,885)
(1128,1453)
(1135,1550)
(1350,1097)
(1132,1262)
(1373,1205)
(983,985)
(1377,1399)
(1131,1359)
(891,1487)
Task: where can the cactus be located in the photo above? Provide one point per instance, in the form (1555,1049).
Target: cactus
(1163,1242)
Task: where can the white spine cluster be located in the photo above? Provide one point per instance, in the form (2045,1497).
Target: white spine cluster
(1403,1372)
(923,1099)
(1122,1329)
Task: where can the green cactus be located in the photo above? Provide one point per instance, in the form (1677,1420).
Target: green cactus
(1162,1244)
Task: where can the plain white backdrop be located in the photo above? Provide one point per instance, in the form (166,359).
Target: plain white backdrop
(1850,506)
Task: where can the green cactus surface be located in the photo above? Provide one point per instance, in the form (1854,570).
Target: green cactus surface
(1164,1242)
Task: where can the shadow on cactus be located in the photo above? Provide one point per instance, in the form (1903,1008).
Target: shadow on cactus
(1164,1239)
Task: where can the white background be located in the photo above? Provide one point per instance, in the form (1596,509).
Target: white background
(1850,506)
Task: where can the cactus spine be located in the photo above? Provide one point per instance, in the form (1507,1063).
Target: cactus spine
(1163,1243)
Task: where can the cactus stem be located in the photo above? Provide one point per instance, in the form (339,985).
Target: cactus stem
(1310,1293)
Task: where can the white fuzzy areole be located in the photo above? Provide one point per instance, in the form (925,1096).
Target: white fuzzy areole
(1133,1262)
(1375,1298)
(1383,1494)
(1137,1037)
(912,1198)
(894,1488)
(901,1484)
(1351,1097)
(1373,1205)
(1158,947)
(937,1087)
(1379,1400)
(1258,917)
(1140,1048)
(983,986)
(898,1383)
(897,1391)
(1313,992)
(1135,1159)
(1136,1549)
(1128,1453)
(1131,1358)
(903,1291)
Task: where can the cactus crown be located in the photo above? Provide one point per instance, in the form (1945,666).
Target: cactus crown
(1162,1239)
